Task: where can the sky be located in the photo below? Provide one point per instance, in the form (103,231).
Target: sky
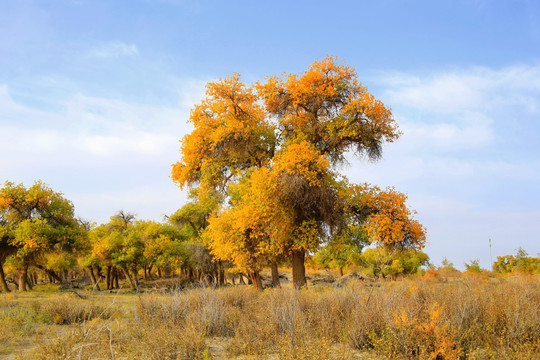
(95,96)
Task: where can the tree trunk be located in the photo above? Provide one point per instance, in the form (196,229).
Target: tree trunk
(95,283)
(115,278)
(3,282)
(340,271)
(52,275)
(135,277)
(299,269)
(150,271)
(242,282)
(131,283)
(23,277)
(221,273)
(256,280)
(159,272)
(29,281)
(275,274)
(108,278)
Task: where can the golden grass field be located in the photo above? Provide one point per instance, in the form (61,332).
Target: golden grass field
(428,317)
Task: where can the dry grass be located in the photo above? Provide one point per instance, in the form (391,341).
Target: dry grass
(471,318)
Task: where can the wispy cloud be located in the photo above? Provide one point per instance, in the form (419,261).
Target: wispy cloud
(114,49)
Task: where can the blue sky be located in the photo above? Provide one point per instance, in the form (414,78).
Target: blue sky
(94,96)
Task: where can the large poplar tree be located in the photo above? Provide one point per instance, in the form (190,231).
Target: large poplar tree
(274,150)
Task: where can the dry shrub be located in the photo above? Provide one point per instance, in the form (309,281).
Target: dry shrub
(473,318)
(67,310)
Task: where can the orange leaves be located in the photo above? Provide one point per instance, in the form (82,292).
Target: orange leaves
(5,201)
(385,216)
(329,107)
(231,133)
(432,335)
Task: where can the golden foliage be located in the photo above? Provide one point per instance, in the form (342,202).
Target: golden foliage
(330,108)
(385,216)
(255,228)
(230,134)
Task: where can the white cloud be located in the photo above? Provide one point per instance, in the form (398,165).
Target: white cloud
(105,154)
(114,49)
(150,201)
(468,131)
(468,158)
(474,89)
(132,143)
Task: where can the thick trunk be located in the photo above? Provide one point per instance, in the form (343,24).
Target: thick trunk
(159,272)
(23,273)
(221,274)
(275,274)
(256,280)
(3,282)
(131,283)
(150,271)
(298,269)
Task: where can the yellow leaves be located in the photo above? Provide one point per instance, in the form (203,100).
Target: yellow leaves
(389,220)
(302,159)
(256,228)
(306,236)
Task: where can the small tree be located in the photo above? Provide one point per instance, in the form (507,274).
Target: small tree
(473,266)
(37,220)
(388,262)
(520,262)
